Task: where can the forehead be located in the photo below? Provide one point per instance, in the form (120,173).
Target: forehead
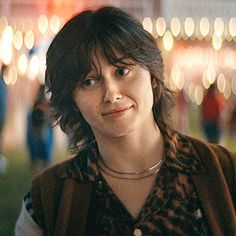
(109,56)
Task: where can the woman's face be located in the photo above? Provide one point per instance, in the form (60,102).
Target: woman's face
(115,100)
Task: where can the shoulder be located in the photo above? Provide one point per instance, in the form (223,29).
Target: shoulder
(46,190)
(213,152)
(214,157)
(219,162)
(60,170)
(54,171)
(48,184)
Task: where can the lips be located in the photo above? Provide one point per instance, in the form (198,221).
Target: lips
(116,111)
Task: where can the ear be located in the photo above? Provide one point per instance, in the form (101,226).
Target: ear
(154,82)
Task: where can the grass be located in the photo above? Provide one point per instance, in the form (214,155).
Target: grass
(13,186)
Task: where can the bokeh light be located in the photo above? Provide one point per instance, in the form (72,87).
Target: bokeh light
(18,40)
(232,26)
(33,67)
(42,24)
(198,94)
(221,82)
(168,41)
(211,74)
(204,26)
(55,24)
(29,39)
(175,26)
(7,36)
(216,42)
(189,26)
(160,26)
(147,24)
(219,26)
(22,64)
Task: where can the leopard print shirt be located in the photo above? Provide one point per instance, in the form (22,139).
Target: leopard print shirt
(172,207)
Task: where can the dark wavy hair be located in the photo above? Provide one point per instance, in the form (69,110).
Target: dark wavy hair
(70,56)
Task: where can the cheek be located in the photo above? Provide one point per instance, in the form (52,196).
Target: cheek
(80,103)
(82,106)
(144,90)
(148,95)
(87,107)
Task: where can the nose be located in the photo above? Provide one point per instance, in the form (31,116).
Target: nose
(112,92)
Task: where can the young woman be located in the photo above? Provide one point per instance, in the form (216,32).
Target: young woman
(132,174)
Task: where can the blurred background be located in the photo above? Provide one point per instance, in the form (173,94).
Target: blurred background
(198,42)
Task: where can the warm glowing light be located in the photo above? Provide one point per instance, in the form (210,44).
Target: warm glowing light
(29,39)
(55,24)
(198,94)
(177,77)
(22,64)
(175,74)
(211,74)
(42,24)
(205,80)
(147,24)
(221,82)
(232,26)
(161,26)
(10,76)
(7,37)
(6,77)
(168,41)
(191,93)
(229,58)
(189,26)
(3,23)
(175,26)
(18,40)
(216,42)
(204,26)
(181,82)
(6,54)
(34,67)
(219,26)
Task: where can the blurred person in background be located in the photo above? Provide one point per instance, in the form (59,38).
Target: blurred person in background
(3,108)
(232,119)
(132,174)
(39,134)
(212,108)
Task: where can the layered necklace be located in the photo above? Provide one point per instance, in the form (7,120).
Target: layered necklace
(154,169)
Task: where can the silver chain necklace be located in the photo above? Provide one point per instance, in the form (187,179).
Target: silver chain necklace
(154,169)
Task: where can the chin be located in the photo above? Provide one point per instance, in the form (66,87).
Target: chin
(119,133)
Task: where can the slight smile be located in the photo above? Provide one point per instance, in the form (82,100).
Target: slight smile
(116,113)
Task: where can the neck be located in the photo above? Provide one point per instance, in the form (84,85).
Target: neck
(133,152)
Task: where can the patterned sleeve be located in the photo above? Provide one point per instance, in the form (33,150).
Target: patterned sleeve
(26,225)
(28,206)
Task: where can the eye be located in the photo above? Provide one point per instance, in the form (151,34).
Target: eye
(89,83)
(122,71)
